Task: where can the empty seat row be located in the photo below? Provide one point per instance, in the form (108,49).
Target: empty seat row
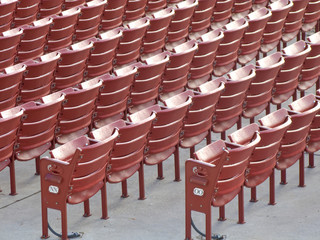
(222,169)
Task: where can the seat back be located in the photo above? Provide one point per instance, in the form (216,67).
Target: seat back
(201,18)
(26,12)
(48,8)
(135,9)
(112,16)
(311,15)
(7,10)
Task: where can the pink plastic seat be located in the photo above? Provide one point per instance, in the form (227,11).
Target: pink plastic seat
(49,7)
(146,86)
(34,39)
(26,12)
(61,33)
(10,81)
(221,13)
(311,15)
(260,90)
(176,74)
(227,52)
(134,9)
(201,19)
(89,20)
(233,174)
(112,16)
(38,77)
(72,64)
(265,155)
(204,59)
(7,9)
(75,172)
(311,69)
(164,136)
(101,58)
(128,152)
(179,27)
(156,35)
(251,42)
(38,127)
(113,97)
(131,42)
(230,105)
(9,41)
(9,126)
(273,31)
(77,111)
(294,142)
(155,5)
(198,122)
(288,78)
(294,20)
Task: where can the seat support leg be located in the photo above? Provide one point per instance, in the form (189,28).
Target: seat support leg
(272,200)
(64,224)
(160,171)
(222,213)
(12,177)
(86,206)
(37,166)
(124,189)
(311,160)
(104,202)
(192,149)
(253,194)
(142,194)
(45,231)
(177,164)
(283,177)
(209,137)
(301,171)
(241,206)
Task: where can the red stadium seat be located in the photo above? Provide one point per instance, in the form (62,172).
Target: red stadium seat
(77,111)
(112,101)
(155,5)
(232,177)
(265,155)
(273,31)
(294,143)
(227,53)
(128,152)
(198,122)
(241,8)
(146,86)
(163,140)
(33,39)
(261,88)
(176,74)
(38,77)
(101,58)
(89,20)
(201,19)
(26,12)
(131,42)
(10,79)
(251,42)
(156,35)
(72,64)
(230,104)
(72,3)
(7,10)
(75,172)
(221,13)
(204,59)
(311,15)
(288,78)
(38,127)
(134,9)
(113,14)
(61,33)
(9,126)
(49,7)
